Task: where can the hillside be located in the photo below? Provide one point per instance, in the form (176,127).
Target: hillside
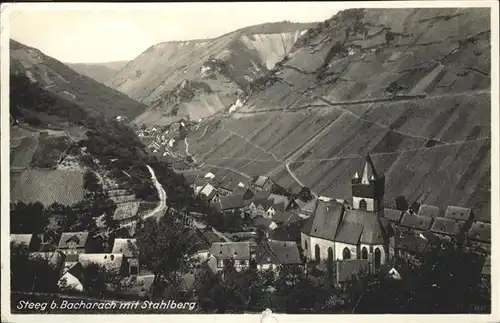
(101,72)
(412,86)
(56,77)
(198,78)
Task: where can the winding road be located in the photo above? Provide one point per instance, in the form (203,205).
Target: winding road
(162,195)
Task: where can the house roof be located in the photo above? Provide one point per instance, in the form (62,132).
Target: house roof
(243,191)
(446,226)
(458,213)
(279,199)
(264,202)
(79,237)
(372,229)
(278,253)
(261,222)
(348,268)
(325,221)
(231,202)
(261,195)
(415,221)
(231,250)
(428,210)
(285,217)
(208,190)
(412,244)
(287,232)
(21,239)
(127,247)
(480,231)
(307,206)
(349,233)
(111,261)
(261,181)
(211,237)
(393,215)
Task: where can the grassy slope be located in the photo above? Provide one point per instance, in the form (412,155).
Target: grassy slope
(60,79)
(101,72)
(453,169)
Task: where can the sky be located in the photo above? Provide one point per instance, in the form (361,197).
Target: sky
(101,33)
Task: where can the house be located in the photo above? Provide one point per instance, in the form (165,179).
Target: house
(284,202)
(288,232)
(263,223)
(209,175)
(30,242)
(273,254)
(410,245)
(447,227)
(480,232)
(244,192)
(393,215)
(262,183)
(230,203)
(72,278)
(130,250)
(339,232)
(228,185)
(237,253)
(259,207)
(285,217)
(460,214)
(75,243)
(210,193)
(428,211)
(400,270)
(349,268)
(112,262)
(306,209)
(416,222)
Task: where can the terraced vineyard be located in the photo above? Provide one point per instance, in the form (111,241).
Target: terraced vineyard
(417,100)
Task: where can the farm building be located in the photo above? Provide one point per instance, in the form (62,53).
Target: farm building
(129,249)
(273,254)
(236,252)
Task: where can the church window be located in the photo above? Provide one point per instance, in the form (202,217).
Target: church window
(305,244)
(364,253)
(317,253)
(330,255)
(362,204)
(346,254)
(378,257)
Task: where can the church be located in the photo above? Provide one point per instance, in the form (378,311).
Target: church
(339,231)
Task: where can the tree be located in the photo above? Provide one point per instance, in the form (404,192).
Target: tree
(27,218)
(305,194)
(163,245)
(401,203)
(94,279)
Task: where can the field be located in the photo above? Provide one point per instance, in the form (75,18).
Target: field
(126,210)
(49,151)
(22,153)
(47,186)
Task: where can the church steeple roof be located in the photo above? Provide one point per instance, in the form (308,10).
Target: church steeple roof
(369,172)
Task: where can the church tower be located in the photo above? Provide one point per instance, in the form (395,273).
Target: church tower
(368,189)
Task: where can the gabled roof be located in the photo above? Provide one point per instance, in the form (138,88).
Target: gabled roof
(458,213)
(349,233)
(264,202)
(393,215)
(480,231)
(231,250)
(412,244)
(279,199)
(447,226)
(261,181)
(348,268)
(261,195)
(419,222)
(372,229)
(21,239)
(231,202)
(243,191)
(287,232)
(209,191)
(307,206)
(261,222)
(127,247)
(80,238)
(325,221)
(285,217)
(428,210)
(111,261)
(211,237)
(278,253)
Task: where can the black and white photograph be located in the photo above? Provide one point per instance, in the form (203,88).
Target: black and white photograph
(259,158)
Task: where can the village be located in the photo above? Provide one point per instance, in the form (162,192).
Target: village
(267,228)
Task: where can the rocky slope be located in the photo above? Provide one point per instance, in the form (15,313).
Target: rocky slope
(200,77)
(412,86)
(101,72)
(52,75)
